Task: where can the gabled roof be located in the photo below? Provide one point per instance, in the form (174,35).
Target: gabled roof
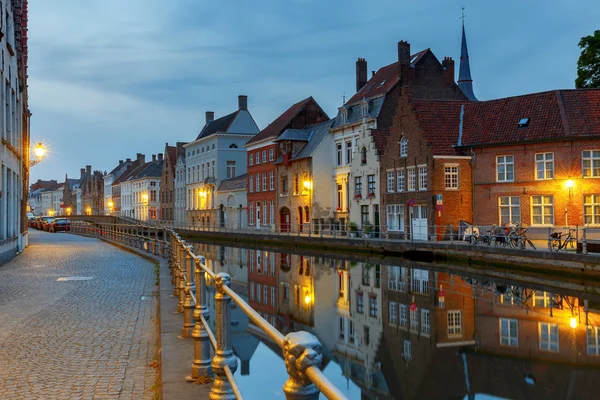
(384,80)
(128,174)
(237,183)
(275,128)
(294,135)
(152,169)
(218,125)
(312,135)
(551,115)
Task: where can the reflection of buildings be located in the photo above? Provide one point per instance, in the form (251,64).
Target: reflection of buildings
(296,286)
(263,290)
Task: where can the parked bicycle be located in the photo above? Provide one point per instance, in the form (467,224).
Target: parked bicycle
(517,237)
(561,240)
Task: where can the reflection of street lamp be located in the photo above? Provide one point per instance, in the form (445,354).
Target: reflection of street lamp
(145,198)
(88,211)
(110,207)
(307,297)
(39,152)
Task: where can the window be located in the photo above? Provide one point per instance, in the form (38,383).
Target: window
(251,290)
(272,180)
(404,147)
(407,350)
(400,181)
(366,335)
(272,215)
(419,281)
(251,159)
(591,163)
(296,183)
(341,329)
(395,217)
(403,315)
(359,302)
(509,332)
(284,185)
(393,312)
(271,154)
(391,181)
(505,169)
(544,166)
(548,336)
(542,210)
(454,323)
(348,153)
(230,169)
(257,157)
(251,185)
(264,182)
(338,147)
(357,186)
(593,344)
(373,306)
(510,209)
(411,179)
(371,185)
(422,178)
(251,208)
(591,209)
(414,320)
(363,155)
(340,198)
(152,183)
(364,215)
(265,294)
(202,171)
(258,291)
(231,146)
(425,322)
(451,177)
(285,293)
(257,183)
(351,332)
(213,169)
(544,299)
(397,278)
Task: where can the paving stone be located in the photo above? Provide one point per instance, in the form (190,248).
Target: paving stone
(76,339)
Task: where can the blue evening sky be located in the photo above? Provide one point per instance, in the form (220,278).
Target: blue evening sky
(111,78)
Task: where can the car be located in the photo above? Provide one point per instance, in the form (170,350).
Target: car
(46,223)
(59,225)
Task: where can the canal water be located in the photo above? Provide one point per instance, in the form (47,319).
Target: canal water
(400,329)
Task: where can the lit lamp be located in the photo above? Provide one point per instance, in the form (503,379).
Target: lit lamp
(51,212)
(573,322)
(145,197)
(39,151)
(88,211)
(307,185)
(307,297)
(68,210)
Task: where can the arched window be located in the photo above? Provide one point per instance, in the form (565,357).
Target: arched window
(213,147)
(363,155)
(306,214)
(403,147)
(233,146)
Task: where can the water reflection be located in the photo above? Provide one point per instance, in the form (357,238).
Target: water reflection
(409,332)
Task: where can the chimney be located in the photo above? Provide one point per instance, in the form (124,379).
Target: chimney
(372,74)
(361,73)
(129,160)
(120,162)
(141,159)
(242,102)
(88,169)
(448,74)
(160,156)
(153,157)
(403,53)
(210,116)
(245,370)
(82,171)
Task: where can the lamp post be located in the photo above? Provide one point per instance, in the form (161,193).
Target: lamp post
(569,185)
(39,151)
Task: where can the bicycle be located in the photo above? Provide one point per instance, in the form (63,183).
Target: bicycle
(517,237)
(557,243)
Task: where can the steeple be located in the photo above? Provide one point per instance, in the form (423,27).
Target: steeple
(465,83)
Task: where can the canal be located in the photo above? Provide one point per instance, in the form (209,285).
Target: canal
(402,329)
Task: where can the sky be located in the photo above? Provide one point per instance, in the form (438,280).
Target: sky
(112,78)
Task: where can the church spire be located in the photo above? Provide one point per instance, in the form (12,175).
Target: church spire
(465,82)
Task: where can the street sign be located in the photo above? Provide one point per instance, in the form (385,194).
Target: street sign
(62,206)
(438,199)
(413,307)
(411,202)
(439,207)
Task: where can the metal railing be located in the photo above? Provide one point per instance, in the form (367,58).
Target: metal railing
(213,355)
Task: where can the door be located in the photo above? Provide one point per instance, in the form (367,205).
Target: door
(418,219)
(284,220)
(300,219)
(376,216)
(257,215)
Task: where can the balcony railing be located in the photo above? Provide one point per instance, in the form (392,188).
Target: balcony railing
(301,350)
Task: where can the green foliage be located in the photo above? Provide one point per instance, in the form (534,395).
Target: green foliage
(352,227)
(588,65)
(367,228)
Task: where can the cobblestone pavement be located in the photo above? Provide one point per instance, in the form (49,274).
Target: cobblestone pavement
(87,339)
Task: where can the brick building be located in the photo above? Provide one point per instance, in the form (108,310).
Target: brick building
(263,284)
(167,184)
(262,151)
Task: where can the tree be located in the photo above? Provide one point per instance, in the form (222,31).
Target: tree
(588,65)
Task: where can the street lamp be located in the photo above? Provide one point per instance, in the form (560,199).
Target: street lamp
(39,151)
(110,206)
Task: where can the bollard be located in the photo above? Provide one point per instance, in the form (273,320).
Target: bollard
(584,242)
(301,350)
(221,389)
(201,367)
(182,274)
(188,305)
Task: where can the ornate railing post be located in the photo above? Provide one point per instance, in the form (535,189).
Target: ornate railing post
(224,357)
(177,268)
(301,350)
(201,367)
(188,305)
(182,274)
(584,249)
(156,243)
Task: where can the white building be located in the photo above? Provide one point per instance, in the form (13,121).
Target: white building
(109,180)
(180,191)
(35,201)
(14,129)
(218,149)
(47,203)
(57,199)
(232,199)
(142,188)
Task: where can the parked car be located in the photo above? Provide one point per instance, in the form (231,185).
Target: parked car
(59,225)
(46,223)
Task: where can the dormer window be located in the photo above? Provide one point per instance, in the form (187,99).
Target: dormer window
(363,155)
(523,122)
(344,114)
(364,109)
(233,146)
(404,147)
